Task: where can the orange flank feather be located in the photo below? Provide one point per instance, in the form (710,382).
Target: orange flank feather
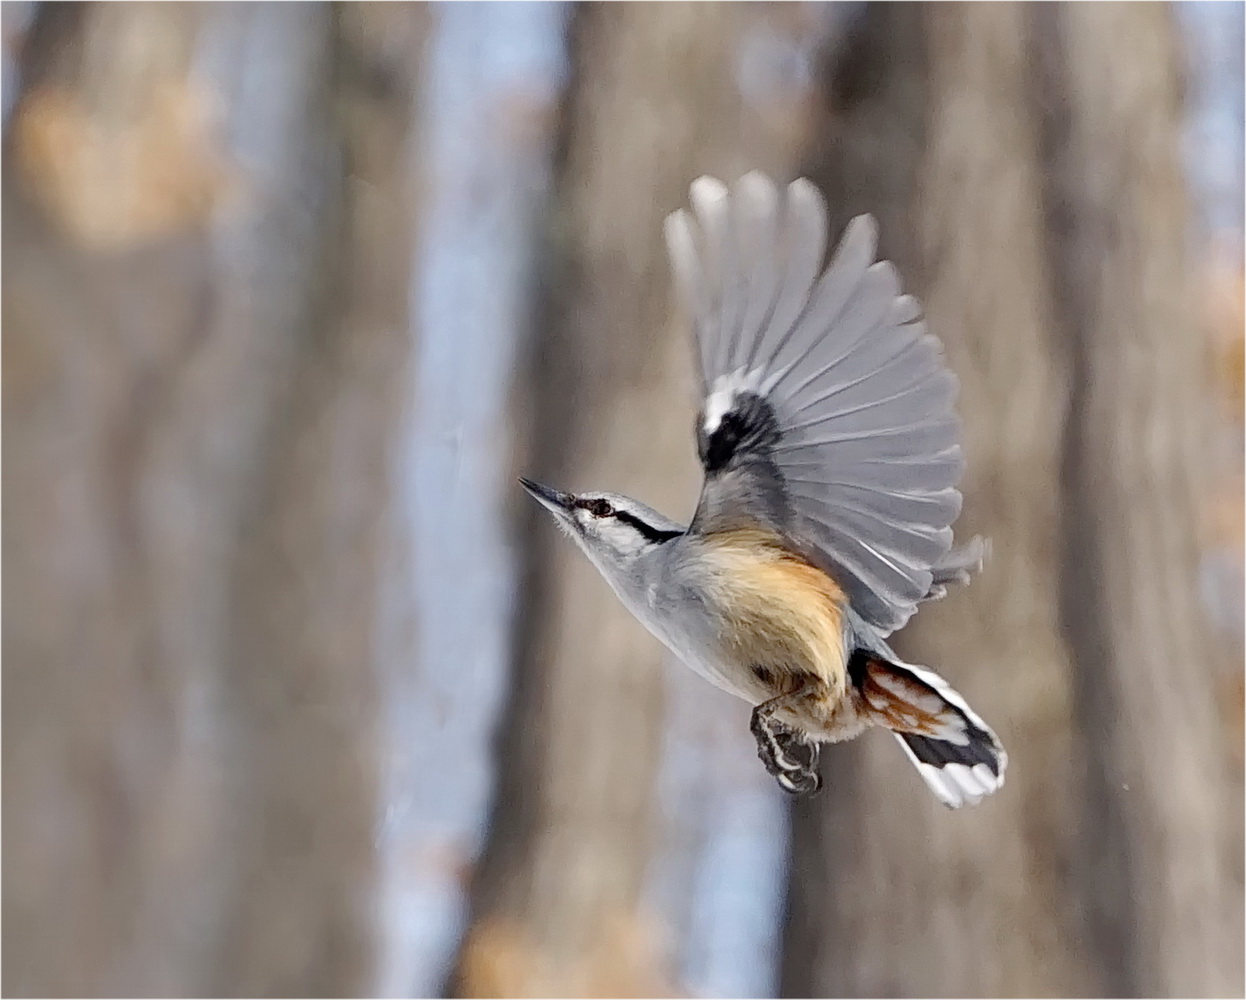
(784,616)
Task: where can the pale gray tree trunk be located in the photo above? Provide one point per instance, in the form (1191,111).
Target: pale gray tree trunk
(607,402)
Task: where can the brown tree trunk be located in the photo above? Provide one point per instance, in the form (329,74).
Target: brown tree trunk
(939,121)
(1161,853)
(608,403)
(199,399)
(890,893)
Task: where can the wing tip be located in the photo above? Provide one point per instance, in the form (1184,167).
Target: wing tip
(707,191)
(803,187)
(888,277)
(905,309)
(677,229)
(858,246)
(803,196)
(863,226)
(756,182)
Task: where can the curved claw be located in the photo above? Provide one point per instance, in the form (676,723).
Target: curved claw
(774,753)
(803,783)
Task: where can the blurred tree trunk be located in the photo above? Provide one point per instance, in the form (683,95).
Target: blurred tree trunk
(307,588)
(1162,853)
(1060,302)
(205,351)
(928,127)
(607,401)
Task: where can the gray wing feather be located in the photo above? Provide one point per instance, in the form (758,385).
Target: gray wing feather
(757,244)
(691,283)
(865,446)
(831,301)
(804,246)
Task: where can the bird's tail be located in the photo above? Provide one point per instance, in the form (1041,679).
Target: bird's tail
(954,751)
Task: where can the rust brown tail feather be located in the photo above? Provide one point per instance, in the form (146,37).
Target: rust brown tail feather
(954,750)
(895,698)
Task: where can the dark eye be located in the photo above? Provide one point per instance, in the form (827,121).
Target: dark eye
(598,508)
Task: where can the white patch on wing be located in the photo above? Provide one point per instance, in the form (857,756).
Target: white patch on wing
(723,393)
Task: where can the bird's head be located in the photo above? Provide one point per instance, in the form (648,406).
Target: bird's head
(614,531)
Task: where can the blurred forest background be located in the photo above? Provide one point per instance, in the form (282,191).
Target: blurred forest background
(301,697)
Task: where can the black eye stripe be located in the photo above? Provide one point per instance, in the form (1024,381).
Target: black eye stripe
(655,535)
(599,507)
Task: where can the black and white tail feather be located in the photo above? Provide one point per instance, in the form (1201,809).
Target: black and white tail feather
(965,766)
(953,749)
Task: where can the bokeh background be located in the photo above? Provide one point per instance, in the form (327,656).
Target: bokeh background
(302,697)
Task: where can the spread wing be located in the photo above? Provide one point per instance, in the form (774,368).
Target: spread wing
(827,409)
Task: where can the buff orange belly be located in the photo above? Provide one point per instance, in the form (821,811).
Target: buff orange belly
(779,617)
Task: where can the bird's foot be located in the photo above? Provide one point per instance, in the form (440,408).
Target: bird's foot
(788,754)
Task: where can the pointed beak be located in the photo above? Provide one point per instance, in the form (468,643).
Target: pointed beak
(555,500)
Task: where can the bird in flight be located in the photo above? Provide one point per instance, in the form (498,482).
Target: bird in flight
(831,452)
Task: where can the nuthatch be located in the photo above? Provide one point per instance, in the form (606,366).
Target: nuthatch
(831,455)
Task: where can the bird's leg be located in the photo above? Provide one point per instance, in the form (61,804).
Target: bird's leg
(787,753)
